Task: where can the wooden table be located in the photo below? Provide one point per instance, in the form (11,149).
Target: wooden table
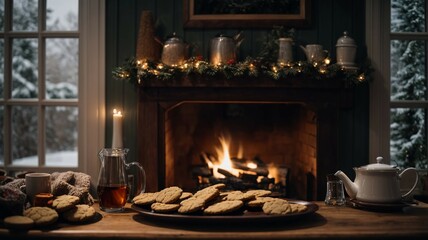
(326,223)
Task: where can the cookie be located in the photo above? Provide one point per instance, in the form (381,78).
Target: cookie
(185,195)
(169,195)
(64,202)
(18,222)
(259,201)
(80,213)
(298,208)
(259,192)
(191,205)
(223,207)
(277,207)
(238,195)
(165,207)
(42,216)
(207,194)
(145,198)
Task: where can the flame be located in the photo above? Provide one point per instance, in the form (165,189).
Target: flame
(223,156)
(223,160)
(252,165)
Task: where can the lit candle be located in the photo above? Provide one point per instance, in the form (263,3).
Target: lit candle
(117,130)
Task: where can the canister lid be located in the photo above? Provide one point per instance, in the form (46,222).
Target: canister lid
(345,40)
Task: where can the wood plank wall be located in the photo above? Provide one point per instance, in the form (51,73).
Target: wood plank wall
(329,19)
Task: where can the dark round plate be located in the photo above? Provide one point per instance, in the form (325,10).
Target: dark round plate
(243,217)
(380,207)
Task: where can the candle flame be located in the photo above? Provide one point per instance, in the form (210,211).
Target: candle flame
(117,112)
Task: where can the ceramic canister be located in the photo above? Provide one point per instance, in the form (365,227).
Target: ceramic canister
(285,53)
(346,51)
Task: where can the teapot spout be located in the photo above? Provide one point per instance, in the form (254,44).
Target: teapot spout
(303,48)
(350,187)
(239,38)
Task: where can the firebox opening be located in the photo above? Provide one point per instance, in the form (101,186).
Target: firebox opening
(275,136)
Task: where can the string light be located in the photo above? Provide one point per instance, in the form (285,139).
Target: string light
(274,69)
(327,60)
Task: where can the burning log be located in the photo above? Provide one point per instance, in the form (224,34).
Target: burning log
(235,173)
(239,164)
(225,172)
(202,171)
(248,177)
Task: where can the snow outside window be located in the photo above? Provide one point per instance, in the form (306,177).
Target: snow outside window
(43,109)
(398,98)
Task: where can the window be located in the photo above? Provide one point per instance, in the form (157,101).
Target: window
(51,104)
(399,99)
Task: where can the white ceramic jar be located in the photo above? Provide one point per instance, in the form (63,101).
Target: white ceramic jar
(346,51)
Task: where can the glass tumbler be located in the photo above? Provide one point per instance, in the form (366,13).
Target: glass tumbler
(335,195)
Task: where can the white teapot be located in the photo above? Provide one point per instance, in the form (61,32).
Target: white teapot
(376,183)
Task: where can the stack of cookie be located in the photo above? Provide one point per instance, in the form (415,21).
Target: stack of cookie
(64,206)
(212,201)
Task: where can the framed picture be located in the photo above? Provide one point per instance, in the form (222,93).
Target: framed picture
(246,13)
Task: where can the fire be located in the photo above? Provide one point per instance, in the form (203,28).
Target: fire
(223,159)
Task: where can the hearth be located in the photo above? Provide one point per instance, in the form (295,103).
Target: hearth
(288,129)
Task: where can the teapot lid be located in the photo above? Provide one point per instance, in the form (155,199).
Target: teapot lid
(173,38)
(285,39)
(345,40)
(222,35)
(379,166)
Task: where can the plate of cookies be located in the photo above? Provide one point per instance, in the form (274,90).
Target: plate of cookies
(213,204)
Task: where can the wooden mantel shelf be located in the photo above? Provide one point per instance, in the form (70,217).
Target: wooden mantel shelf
(326,223)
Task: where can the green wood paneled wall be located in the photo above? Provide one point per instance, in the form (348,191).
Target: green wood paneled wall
(329,19)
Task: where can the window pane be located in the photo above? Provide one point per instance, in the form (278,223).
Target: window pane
(62,15)
(61,136)
(62,58)
(1,15)
(25,15)
(408,70)
(24,136)
(408,144)
(408,16)
(1,68)
(24,68)
(1,136)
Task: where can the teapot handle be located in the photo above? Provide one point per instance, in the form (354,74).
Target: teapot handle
(141,182)
(416,180)
(326,53)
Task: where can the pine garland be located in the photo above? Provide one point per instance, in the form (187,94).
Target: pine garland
(138,72)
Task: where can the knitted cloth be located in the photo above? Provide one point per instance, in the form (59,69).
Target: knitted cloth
(12,201)
(72,183)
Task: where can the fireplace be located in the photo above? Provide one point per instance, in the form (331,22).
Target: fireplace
(288,125)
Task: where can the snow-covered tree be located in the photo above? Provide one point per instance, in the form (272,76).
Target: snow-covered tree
(408,82)
(61,82)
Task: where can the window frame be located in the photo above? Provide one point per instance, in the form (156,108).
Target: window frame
(91,100)
(378,32)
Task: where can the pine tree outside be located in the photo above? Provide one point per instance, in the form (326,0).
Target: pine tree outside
(408,130)
(53,112)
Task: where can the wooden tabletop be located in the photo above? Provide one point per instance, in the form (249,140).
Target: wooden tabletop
(326,223)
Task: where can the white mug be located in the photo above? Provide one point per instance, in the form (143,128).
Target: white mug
(36,183)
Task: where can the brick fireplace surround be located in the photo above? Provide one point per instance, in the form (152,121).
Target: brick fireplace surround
(322,99)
